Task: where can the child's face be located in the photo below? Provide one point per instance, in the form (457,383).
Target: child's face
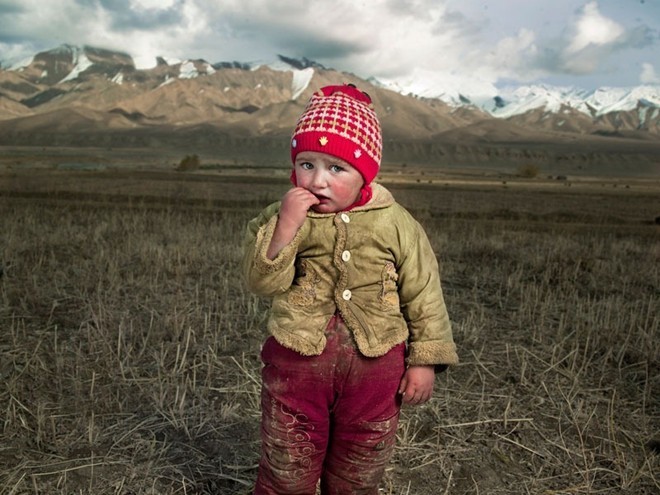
(333,181)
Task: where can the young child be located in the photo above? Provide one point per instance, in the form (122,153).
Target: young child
(358,323)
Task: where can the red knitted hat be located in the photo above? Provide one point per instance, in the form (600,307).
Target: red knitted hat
(341,121)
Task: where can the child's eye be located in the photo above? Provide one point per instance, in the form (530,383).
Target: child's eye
(336,168)
(306,166)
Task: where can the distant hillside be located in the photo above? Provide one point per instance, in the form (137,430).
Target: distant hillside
(84,96)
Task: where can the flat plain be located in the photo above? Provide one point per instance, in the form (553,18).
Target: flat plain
(129,347)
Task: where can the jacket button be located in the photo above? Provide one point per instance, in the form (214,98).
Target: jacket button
(345,218)
(346,295)
(346,255)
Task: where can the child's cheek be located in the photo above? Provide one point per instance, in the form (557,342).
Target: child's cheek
(346,192)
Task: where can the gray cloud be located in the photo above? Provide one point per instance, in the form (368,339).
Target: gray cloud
(292,28)
(591,44)
(640,37)
(457,24)
(406,8)
(489,41)
(254,36)
(125,17)
(11,7)
(320,48)
(8,12)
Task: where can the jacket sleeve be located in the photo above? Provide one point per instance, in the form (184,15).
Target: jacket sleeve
(422,303)
(263,276)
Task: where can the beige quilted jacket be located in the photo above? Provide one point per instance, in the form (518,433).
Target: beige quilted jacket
(373,263)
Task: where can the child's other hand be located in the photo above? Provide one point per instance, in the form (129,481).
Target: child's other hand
(417,384)
(295,204)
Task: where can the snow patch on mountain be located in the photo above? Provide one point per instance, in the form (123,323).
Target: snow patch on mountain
(606,100)
(300,81)
(302,72)
(453,89)
(516,101)
(188,70)
(119,78)
(80,64)
(191,70)
(18,65)
(145,62)
(168,80)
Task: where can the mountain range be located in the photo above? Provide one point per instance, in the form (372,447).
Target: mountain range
(87,96)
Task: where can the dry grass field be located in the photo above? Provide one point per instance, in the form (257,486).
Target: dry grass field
(129,346)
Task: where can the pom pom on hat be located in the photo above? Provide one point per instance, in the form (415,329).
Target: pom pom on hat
(340,121)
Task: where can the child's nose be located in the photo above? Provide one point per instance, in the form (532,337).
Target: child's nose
(319,179)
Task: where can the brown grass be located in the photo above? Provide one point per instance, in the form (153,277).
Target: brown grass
(129,347)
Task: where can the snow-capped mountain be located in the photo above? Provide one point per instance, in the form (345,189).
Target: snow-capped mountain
(454,89)
(67,63)
(593,103)
(457,91)
(84,95)
(547,107)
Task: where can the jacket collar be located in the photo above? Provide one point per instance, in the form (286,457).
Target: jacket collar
(381,198)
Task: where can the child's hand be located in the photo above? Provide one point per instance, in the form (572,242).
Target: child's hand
(295,204)
(293,212)
(417,384)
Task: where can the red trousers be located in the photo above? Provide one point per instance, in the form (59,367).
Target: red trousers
(331,417)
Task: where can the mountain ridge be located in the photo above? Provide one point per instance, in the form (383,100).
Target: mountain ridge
(70,94)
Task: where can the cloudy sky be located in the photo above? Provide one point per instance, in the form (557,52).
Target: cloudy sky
(582,43)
